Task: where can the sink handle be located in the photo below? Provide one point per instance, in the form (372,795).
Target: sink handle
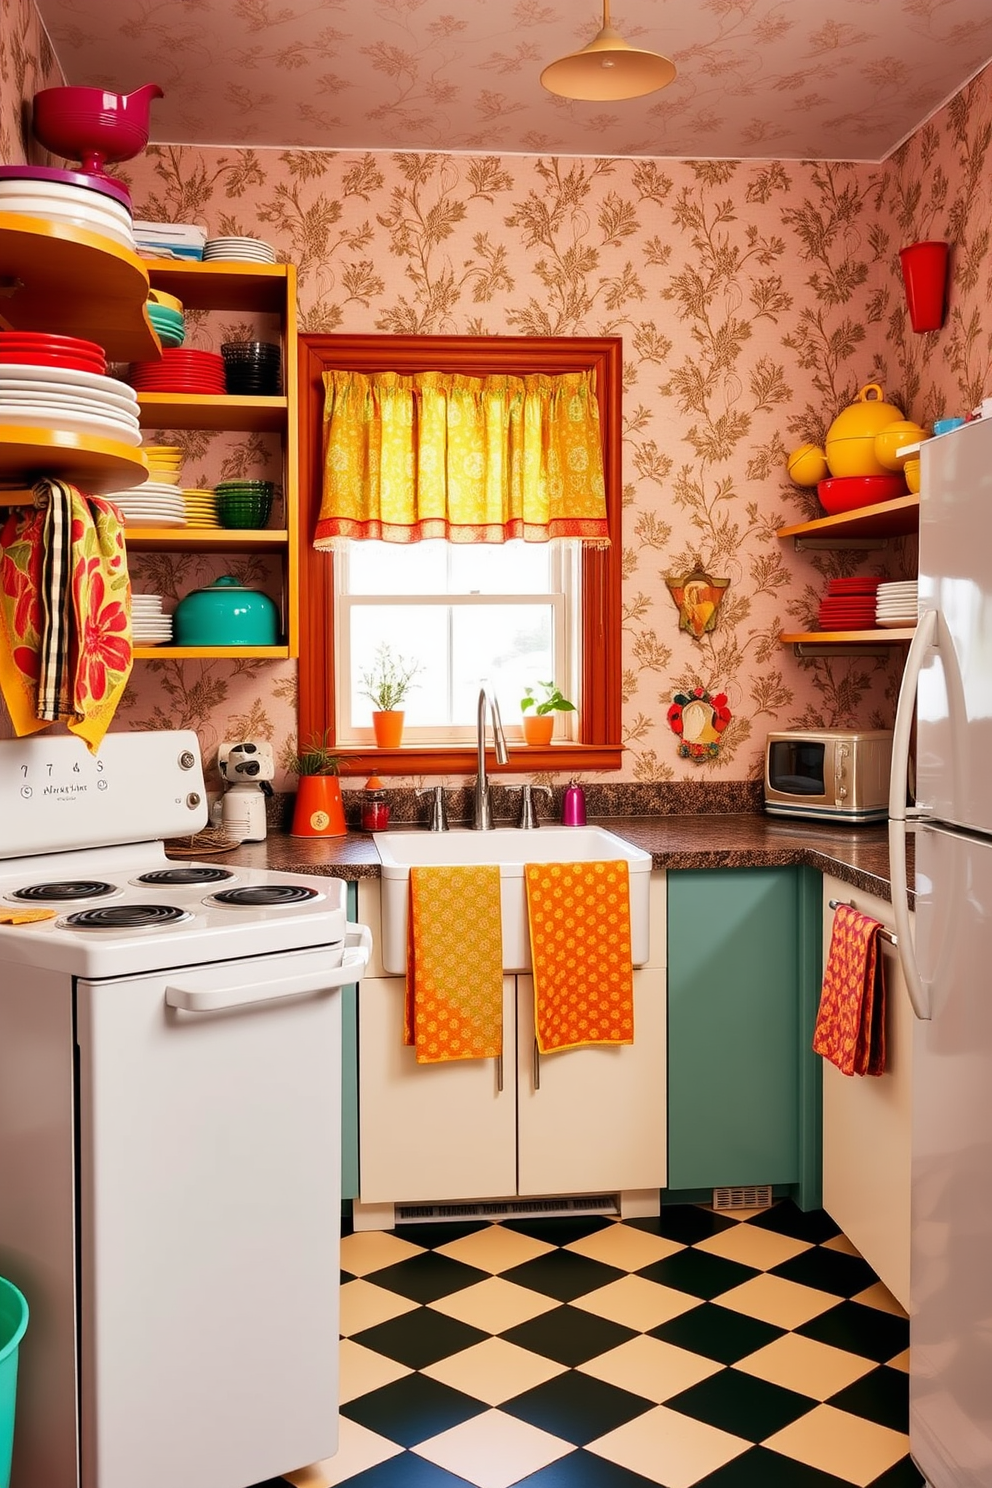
(528,816)
(439,814)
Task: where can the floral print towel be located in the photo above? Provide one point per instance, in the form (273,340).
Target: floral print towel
(65,612)
(454,986)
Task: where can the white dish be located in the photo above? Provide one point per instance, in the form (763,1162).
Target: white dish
(99,408)
(58,420)
(46,392)
(68,375)
(893,624)
(69,217)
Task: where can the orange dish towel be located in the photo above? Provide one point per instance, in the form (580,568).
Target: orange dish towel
(454,981)
(850,1025)
(580,950)
(65,612)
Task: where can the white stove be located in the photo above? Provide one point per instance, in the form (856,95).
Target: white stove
(169,1129)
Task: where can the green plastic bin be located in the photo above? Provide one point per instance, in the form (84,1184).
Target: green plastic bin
(13,1321)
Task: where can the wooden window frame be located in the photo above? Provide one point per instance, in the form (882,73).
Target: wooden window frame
(599,746)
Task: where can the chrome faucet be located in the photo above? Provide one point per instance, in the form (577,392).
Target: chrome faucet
(482,816)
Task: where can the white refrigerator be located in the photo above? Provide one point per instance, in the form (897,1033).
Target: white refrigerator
(948,687)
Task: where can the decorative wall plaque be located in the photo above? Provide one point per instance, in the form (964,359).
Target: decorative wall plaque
(697,598)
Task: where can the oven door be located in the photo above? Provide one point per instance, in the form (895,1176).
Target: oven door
(210,1214)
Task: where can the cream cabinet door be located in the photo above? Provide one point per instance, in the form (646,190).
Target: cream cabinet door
(867,1120)
(431,1132)
(594,1120)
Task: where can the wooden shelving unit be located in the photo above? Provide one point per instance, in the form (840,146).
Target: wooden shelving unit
(196,411)
(898,518)
(205,539)
(99,465)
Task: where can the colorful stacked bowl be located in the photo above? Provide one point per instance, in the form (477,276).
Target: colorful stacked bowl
(164,463)
(244,503)
(251,368)
(168,324)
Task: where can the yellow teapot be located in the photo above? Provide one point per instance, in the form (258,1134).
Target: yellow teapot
(850,442)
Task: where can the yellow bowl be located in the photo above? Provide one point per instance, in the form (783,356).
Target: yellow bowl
(892,443)
(807,465)
(161,298)
(911,470)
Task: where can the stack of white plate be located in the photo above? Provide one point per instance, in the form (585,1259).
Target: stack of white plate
(150,625)
(895,605)
(151,505)
(57,201)
(73,402)
(239,250)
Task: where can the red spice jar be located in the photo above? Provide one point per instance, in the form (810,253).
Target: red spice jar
(375,811)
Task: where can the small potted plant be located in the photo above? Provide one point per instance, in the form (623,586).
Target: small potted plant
(319,809)
(386,685)
(546,700)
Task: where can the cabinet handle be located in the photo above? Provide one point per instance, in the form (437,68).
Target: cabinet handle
(537,1066)
(499,1074)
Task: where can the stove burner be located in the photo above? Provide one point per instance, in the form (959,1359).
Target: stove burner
(260,895)
(185,876)
(126,917)
(74,888)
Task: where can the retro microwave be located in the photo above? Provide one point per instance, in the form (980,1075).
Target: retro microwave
(829,774)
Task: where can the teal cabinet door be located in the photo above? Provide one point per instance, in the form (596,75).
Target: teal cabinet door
(741,975)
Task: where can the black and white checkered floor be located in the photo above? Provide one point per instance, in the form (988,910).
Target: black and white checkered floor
(697,1350)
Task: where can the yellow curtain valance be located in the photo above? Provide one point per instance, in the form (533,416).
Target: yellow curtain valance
(468,459)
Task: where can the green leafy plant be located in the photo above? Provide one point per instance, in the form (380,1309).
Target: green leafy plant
(545,697)
(389,680)
(316,757)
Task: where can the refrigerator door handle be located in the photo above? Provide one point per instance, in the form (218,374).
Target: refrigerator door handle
(926,630)
(923,639)
(358,941)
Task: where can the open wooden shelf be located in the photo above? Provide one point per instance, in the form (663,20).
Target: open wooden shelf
(101,466)
(214,412)
(69,281)
(205,539)
(221,286)
(895,518)
(848,637)
(192,653)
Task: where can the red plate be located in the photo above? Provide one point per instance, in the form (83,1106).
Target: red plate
(180,385)
(42,341)
(69,363)
(853,586)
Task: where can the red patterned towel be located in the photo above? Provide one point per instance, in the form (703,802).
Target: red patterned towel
(65,612)
(850,1025)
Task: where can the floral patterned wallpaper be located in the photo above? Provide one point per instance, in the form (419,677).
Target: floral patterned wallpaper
(753,299)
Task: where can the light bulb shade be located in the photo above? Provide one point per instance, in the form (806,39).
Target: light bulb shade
(608,68)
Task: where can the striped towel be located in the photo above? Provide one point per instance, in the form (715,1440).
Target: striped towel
(65,612)
(580,950)
(850,1023)
(454,981)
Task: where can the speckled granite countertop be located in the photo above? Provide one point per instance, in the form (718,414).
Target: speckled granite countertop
(857,855)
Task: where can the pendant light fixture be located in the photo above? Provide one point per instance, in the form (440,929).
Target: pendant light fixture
(608,68)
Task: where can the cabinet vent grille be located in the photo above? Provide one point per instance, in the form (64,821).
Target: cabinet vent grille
(755,1196)
(508,1209)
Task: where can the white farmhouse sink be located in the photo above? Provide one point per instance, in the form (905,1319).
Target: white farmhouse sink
(511,848)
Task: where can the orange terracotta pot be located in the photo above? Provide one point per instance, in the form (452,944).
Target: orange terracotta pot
(538,727)
(388,728)
(319,809)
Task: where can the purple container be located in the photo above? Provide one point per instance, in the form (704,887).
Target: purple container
(103,184)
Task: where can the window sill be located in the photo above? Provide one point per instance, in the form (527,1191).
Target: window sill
(425,759)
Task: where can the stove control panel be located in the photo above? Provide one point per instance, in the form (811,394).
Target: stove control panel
(139,787)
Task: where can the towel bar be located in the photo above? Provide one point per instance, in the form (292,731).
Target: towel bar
(883,934)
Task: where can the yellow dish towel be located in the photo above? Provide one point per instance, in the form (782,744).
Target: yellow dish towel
(850,1023)
(454,983)
(580,949)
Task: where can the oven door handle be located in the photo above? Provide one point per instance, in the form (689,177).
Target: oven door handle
(358,949)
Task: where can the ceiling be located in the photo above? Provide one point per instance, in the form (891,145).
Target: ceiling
(761,79)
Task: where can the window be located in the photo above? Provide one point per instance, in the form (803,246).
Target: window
(463,614)
(517,611)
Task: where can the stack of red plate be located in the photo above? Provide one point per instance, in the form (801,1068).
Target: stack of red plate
(180,371)
(849,604)
(39,349)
